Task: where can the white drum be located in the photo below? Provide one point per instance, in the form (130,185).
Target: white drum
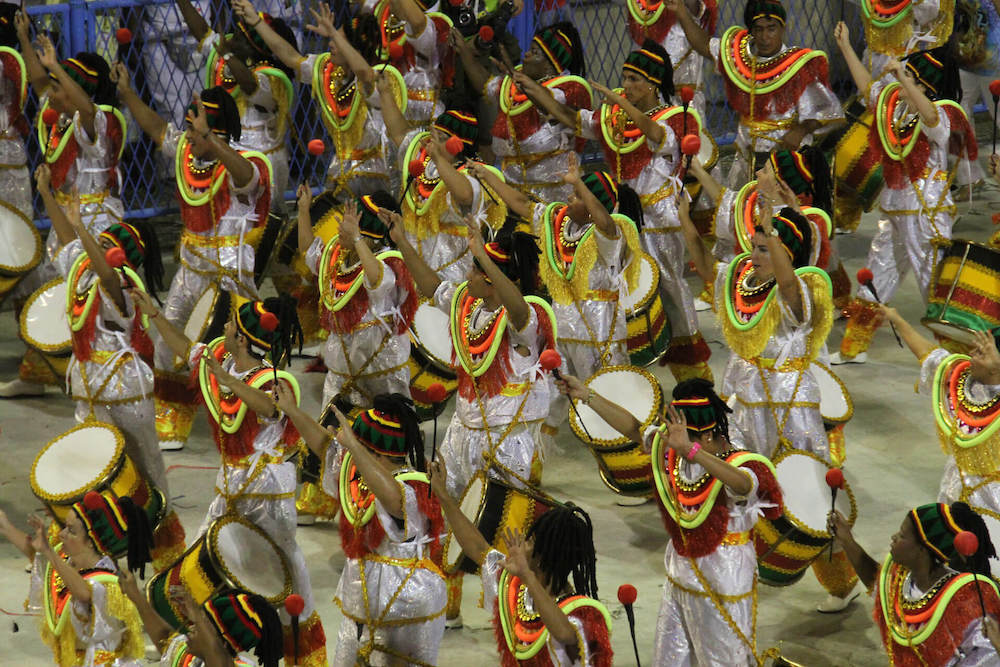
(633,388)
(250,558)
(835,404)
(203,315)
(645,288)
(802,478)
(44,324)
(20,243)
(431,333)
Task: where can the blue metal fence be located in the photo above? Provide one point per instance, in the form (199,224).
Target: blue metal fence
(165,69)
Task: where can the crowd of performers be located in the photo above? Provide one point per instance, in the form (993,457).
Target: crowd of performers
(459,252)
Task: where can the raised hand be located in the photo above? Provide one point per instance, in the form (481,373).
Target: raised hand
(43,177)
(350,225)
(324,23)
(572,386)
(245,11)
(304,196)
(37,531)
(438,473)
(199,121)
(144,302)
(838,527)
(842,35)
(518,559)
(22,24)
(120,77)
(284,397)
(47,56)
(126,581)
(677,433)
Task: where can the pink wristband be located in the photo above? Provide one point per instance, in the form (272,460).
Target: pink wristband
(695,448)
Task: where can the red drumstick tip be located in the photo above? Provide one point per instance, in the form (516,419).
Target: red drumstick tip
(123,36)
(966,543)
(486,34)
(115,257)
(691,144)
(995,88)
(268,321)
(436,393)
(453,145)
(295,605)
(50,116)
(550,359)
(416,168)
(627,594)
(316,147)
(835,478)
(687,94)
(93,501)
(865,276)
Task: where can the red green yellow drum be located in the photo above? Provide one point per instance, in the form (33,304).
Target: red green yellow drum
(964,294)
(648,329)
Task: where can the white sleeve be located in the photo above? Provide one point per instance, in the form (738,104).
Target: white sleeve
(263,96)
(940,134)
(67,255)
(305,69)
(314,254)
(171,140)
(443,296)
(100,144)
(588,118)
(414,523)
(929,366)
(253,188)
(490,575)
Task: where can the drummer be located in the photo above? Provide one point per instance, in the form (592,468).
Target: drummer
(254,439)
(713,626)
(224,194)
(391,591)
(640,134)
(498,335)
(797,102)
(85,617)
(925,142)
(109,375)
(927,608)
(367,301)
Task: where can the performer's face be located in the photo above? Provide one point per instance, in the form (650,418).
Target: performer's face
(768,36)
(536,65)
(58,99)
(904,546)
(74,537)
(760,257)
(576,209)
(637,89)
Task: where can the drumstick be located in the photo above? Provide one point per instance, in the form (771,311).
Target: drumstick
(995,92)
(550,361)
(835,480)
(866,279)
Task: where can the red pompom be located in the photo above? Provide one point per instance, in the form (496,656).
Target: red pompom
(966,543)
(115,257)
(995,87)
(94,501)
(455,3)
(865,276)
(687,94)
(268,321)
(295,605)
(395,51)
(123,35)
(50,116)
(486,34)
(316,147)
(416,168)
(436,393)
(835,478)
(691,144)
(627,594)
(453,145)
(550,359)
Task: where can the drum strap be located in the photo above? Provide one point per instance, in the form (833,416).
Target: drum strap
(353,376)
(490,454)
(780,423)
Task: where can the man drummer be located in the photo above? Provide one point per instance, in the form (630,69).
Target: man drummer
(797,101)
(498,335)
(224,194)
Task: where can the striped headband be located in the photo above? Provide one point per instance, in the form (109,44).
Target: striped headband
(698,412)
(647,64)
(557,47)
(936,529)
(104,521)
(791,167)
(381,432)
(458,124)
(84,76)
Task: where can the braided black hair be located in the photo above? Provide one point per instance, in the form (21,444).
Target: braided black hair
(822,185)
(970,520)
(564,546)
(577,64)
(106,92)
(152,263)
(270,649)
(230,112)
(401,407)
(362,32)
(289,331)
(702,388)
(630,205)
(524,252)
(139,535)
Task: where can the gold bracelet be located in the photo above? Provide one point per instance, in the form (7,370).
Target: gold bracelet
(590,396)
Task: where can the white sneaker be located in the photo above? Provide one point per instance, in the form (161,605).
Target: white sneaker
(18,387)
(834,605)
(837,360)
(305,519)
(171,445)
(453,623)
(700,305)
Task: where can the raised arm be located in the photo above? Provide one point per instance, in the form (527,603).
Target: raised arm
(395,122)
(60,224)
(598,214)
(196,23)
(315,436)
(517,202)
(697,36)
(156,628)
(473,544)
(711,186)
(733,477)
(37,75)
(555,619)
(458,184)
(284,51)
(542,98)
(240,169)
(305,229)
(350,237)
(703,262)
(244,76)
(914,94)
(864,565)
(379,480)
(510,296)
(338,40)
(150,122)
(173,336)
(862,77)
(649,127)
(919,346)
(109,278)
(259,401)
(784,272)
(473,68)
(411,13)
(426,280)
(20,539)
(77,97)
(615,415)
(75,583)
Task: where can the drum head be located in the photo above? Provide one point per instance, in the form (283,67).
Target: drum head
(44,325)
(708,154)
(249,559)
(431,332)
(201,317)
(644,400)
(835,402)
(20,244)
(472,499)
(646,287)
(957,333)
(76,462)
(802,477)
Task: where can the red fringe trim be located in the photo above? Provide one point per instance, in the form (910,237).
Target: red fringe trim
(67,159)
(199,218)
(768,489)
(408,309)
(900,174)
(358,543)
(841,283)
(312,639)
(239,445)
(141,342)
(83,339)
(430,507)
(117,135)
(688,353)
(263,206)
(172,390)
(963,136)
(704,539)
(947,637)
(781,100)
(525,124)
(12,73)
(344,321)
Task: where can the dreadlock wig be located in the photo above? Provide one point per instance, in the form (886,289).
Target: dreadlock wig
(652,63)
(702,408)
(142,248)
(564,546)
(937,524)
(796,235)
(245,621)
(391,428)
(362,31)
(630,205)
(117,527)
(515,252)
(561,44)
(92,73)
(262,52)
(271,326)
(221,112)
(937,72)
(807,173)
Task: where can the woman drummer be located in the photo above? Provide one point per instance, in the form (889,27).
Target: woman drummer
(567,624)
(15,180)
(775,309)
(640,134)
(254,439)
(367,301)
(82,139)
(392,592)
(76,577)
(927,606)
(109,374)
(707,615)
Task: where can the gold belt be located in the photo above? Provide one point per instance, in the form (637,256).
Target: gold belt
(796,364)
(92,198)
(735,539)
(665,191)
(408,563)
(429,95)
(192,239)
(529,159)
(938,175)
(600,295)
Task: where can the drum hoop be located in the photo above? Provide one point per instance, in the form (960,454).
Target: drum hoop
(211,541)
(442,365)
(607,476)
(110,470)
(36,257)
(819,534)
(927,321)
(165,572)
(847,395)
(646,302)
(62,349)
(594,443)
(449,566)
(711,162)
(366,514)
(211,311)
